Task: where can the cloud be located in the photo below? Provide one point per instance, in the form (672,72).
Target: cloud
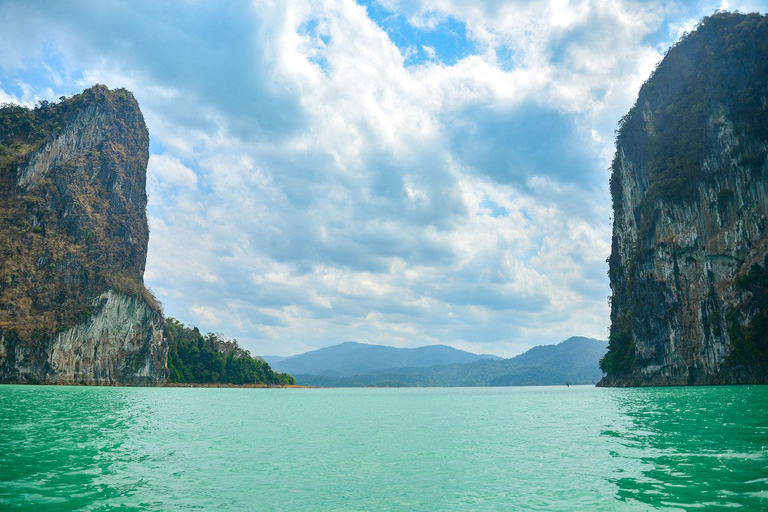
(430,52)
(317,175)
(169,171)
(518,144)
(8,98)
(207,51)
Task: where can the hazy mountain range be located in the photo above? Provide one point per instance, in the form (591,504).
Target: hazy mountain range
(574,361)
(352,358)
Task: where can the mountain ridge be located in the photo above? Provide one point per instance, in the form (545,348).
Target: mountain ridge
(573,361)
(351,358)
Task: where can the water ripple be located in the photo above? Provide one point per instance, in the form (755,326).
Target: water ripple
(578,448)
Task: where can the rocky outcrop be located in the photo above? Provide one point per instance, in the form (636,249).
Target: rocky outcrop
(82,134)
(690,192)
(122,343)
(73,244)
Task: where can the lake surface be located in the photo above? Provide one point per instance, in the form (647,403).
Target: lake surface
(535,448)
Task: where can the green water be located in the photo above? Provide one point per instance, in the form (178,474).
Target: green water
(578,448)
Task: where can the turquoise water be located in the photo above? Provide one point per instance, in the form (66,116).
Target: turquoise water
(543,448)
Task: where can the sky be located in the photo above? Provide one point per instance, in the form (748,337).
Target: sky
(398,172)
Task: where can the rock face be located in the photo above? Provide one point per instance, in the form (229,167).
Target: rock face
(688,266)
(73,244)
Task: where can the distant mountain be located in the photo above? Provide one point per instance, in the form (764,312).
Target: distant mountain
(574,361)
(273,359)
(351,358)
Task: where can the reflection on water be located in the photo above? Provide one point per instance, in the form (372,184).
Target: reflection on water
(698,446)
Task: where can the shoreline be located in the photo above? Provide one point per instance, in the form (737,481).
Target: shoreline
(162,385)
(228,385)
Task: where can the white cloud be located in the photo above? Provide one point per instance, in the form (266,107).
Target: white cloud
(169,171)
(8,98)
(205,315)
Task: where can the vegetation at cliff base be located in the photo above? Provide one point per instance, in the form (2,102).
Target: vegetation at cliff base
(620,358)
(211,358)
(750,339)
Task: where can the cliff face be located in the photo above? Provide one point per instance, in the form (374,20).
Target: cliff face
(73,244)
(689,184)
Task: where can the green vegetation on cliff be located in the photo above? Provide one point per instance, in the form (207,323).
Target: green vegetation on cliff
(194,358)
(750,338)
(722,63)
(620,357)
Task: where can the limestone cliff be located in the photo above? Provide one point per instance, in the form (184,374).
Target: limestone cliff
(73,244)
(689,184)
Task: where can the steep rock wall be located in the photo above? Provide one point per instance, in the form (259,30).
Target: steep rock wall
(73,244)
(690,191)
(122,343)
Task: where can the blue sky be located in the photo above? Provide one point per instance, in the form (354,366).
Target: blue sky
(402,172)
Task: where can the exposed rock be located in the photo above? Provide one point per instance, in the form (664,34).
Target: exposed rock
(73,244)
(690,192)
(122,343)
(83,134)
